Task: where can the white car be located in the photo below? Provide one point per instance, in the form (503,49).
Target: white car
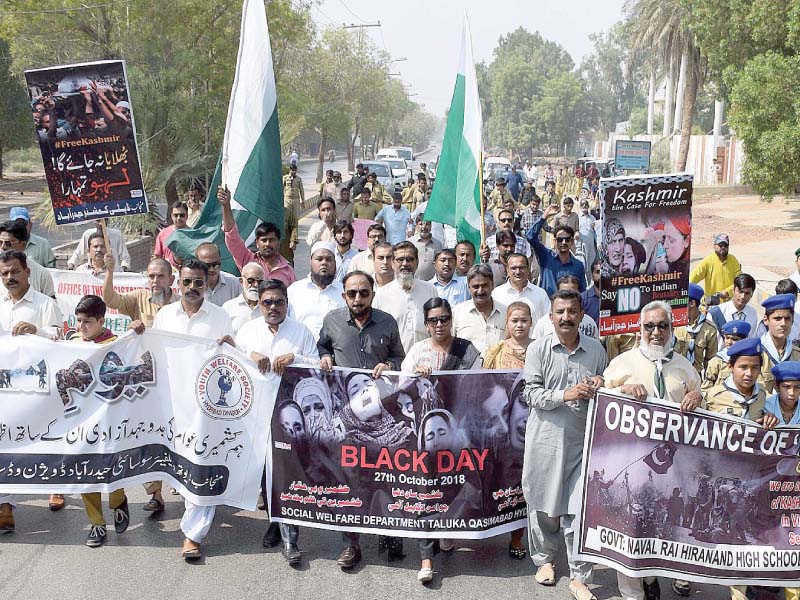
(400,171)
(404,152)
(383,171)
(385,153)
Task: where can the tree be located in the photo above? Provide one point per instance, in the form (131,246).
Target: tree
(16,125)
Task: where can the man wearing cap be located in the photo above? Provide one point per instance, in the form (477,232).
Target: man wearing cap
(783,403)
(365,208)
(312,298)
(737,308)
(344,206)
(717,369)
(416,194)
(38,248)
(740,395)
(378,193)
(334,188)
(698,340)
(777,347)
(498,196)
(122,258)
(14,236)
(394,218)
(653,369)
(244,307)
(294,196)
(322,230)
(717,270)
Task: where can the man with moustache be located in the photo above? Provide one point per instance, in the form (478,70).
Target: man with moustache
(140,305)
(244,307)
(447,284)
(562,373)
(404,297)
(268,240)
(322,230)
(519,288)
(465,257)
(653,369)
(97,250)
(343,237)
(312,298)
(221,286)
(364,260)
(273,343)
(383,254)
(427,247)
(194,315)
(480,319)
(361,337)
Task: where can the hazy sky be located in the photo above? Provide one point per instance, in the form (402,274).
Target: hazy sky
(428,32)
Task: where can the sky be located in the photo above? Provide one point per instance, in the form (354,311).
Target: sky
(428,32)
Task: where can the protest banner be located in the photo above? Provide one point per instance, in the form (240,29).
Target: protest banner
(644,251)
(360,239)
(632,155)
(82,417)
(696,495)
(84,126)
(401,455)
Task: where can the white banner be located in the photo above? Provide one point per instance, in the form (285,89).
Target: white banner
(81,417)
(71,286)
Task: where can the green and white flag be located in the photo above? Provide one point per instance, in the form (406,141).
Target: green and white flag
(455,199)
(250,161)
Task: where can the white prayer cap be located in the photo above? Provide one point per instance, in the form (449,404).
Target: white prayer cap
(323,246)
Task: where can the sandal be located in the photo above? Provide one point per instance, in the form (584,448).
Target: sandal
(518,553)
(545,575)
(582,593)
(154,505)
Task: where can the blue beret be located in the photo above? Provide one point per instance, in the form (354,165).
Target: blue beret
(778,302)
(787,371)
(696,292)
(748,347)
(736,327)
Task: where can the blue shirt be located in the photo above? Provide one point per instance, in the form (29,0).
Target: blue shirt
(591,304)
(455,292)
(514,183)
(395,223)
(550,265)
(773,406)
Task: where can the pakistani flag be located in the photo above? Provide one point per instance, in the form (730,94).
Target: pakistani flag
(250,164)
(455,199)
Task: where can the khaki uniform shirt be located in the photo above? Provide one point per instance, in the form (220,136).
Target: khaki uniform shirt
(720,399)
(705,344)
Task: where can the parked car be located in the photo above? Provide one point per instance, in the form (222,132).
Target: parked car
(400,170)
(431,174)
(383,170)
(385,153)
(405,152)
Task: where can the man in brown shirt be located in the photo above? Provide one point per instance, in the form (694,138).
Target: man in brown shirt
(140,305)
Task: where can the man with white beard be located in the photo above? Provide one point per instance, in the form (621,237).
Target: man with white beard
(653,370)
(404,297)
(244,307)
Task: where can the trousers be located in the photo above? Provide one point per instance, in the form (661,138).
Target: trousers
(545,533)
(196,520)
(94,505)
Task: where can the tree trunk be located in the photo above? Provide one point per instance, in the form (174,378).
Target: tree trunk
(651,102)
(171,192)
(323,136)
(1,161)
(678,119)
(669,94)
(719,111)
(693,83)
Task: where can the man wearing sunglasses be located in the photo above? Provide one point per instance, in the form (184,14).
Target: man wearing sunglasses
(274,342)
(312,298)
(221,286)
(360,337)
(244,307)
(554,264)
(193,315)
(654,370)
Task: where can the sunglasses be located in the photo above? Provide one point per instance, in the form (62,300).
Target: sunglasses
(214,265)
(662,326)
(196,283)
(563,240)
(277,303)
(506,220)
(353,293)
(444,319)
(253,280)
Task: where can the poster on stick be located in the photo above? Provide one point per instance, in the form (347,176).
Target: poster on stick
(400,455)
(689,495)
(84,126)
(647,234)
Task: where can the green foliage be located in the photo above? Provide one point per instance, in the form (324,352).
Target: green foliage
(637,122)
(16,125)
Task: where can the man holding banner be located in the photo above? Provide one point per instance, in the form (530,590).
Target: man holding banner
(562,373)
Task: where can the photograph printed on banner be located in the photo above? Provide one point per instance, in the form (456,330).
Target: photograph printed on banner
(445,447)
(25,378)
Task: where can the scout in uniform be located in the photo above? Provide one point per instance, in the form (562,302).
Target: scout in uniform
(698,340)
(717,369)
(783,403)
(777,348)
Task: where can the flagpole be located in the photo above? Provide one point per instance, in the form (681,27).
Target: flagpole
(480,200)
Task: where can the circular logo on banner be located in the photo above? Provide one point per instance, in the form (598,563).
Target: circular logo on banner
(224,389)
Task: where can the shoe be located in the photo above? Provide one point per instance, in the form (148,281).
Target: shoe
(57,502)
(122,517)
(349,557)
(191,550)
(681,587)
(291,553)
(652,591)
(581,593)
(154,505)
(272,537)
(545,575)
(425,575)
(6,518)
(261,504)
(447,545)
(518,553)
(97,536)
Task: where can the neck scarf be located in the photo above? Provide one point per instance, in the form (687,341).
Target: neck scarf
(693,330)
(743,402)
(659,383)
(772,351)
